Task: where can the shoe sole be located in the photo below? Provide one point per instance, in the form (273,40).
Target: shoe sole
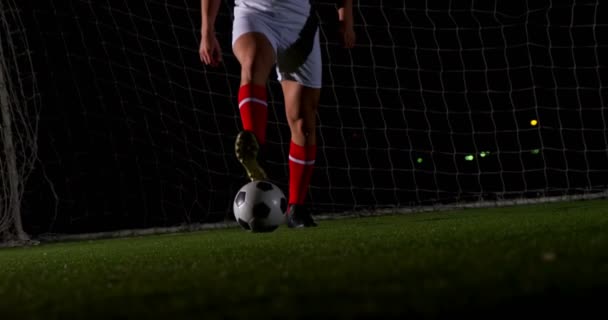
(246,148)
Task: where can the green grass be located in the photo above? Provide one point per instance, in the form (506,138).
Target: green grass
(550,258)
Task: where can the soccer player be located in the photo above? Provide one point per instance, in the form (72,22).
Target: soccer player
(284,33)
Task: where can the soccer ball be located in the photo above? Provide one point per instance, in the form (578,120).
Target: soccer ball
(260,206)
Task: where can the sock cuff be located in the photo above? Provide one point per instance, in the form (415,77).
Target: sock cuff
(305,155)
(255,91)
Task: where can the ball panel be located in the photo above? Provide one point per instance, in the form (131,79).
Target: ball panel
(261,210)
(240,198)
(276,217)
(264,185)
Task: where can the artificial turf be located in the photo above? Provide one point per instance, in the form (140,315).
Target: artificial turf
(546,259)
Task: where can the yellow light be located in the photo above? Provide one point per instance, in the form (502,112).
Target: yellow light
(533,122)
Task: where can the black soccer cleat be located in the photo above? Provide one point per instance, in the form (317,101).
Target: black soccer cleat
(298,216)
(246,148)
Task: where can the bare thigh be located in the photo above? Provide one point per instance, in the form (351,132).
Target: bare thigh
(256,56)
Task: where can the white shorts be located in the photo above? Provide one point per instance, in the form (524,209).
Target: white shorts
(294,38)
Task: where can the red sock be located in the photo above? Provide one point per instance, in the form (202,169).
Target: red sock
(301,163)
(254,110)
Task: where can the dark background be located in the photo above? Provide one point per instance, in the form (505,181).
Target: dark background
(136,132)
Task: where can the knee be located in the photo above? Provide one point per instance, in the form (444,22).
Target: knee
(247,70)
(255,70)
(300,127)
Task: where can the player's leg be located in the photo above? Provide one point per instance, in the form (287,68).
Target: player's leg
(256,56)
(301,110)
(299,67)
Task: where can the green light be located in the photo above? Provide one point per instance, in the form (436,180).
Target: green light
(419,160)
(535,151)
(469,157)
(484,154)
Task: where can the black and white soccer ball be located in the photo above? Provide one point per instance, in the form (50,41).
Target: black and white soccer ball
(260,206)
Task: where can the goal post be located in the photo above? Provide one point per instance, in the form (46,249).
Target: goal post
(10,204)
(17,124)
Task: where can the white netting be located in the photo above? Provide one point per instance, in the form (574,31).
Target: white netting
(433,106)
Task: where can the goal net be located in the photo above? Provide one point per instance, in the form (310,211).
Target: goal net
(441,102)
